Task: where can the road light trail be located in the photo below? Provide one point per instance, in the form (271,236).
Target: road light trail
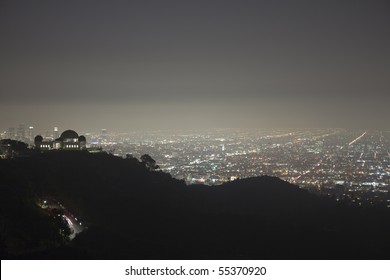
(357,139)
(311,169)
(294,179)
(74,224)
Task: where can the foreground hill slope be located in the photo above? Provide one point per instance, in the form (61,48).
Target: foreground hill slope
(134,213)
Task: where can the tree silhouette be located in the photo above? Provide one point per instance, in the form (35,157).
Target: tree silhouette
(131,158)
(149,162)
(63,227)
(12,148)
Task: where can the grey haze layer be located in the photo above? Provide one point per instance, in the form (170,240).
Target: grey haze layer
(167,64)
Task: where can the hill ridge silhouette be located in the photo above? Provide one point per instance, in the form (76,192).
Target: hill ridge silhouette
(133,212)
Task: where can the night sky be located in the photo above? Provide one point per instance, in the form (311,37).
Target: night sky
(129,65)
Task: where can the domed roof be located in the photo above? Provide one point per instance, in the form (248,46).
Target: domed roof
(82,138)
(69,134)
(38,138)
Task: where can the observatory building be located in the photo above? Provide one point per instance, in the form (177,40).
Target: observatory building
(69,140)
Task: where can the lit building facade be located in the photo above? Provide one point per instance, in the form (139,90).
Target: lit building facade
(69,140)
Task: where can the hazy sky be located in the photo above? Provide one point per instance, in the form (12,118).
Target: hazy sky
(126,65)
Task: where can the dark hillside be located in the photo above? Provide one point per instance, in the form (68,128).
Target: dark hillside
(134,213)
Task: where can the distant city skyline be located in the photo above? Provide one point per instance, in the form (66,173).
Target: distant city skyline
(129,65)
(26,131)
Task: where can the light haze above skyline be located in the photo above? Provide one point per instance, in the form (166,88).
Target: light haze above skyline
(129,65)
